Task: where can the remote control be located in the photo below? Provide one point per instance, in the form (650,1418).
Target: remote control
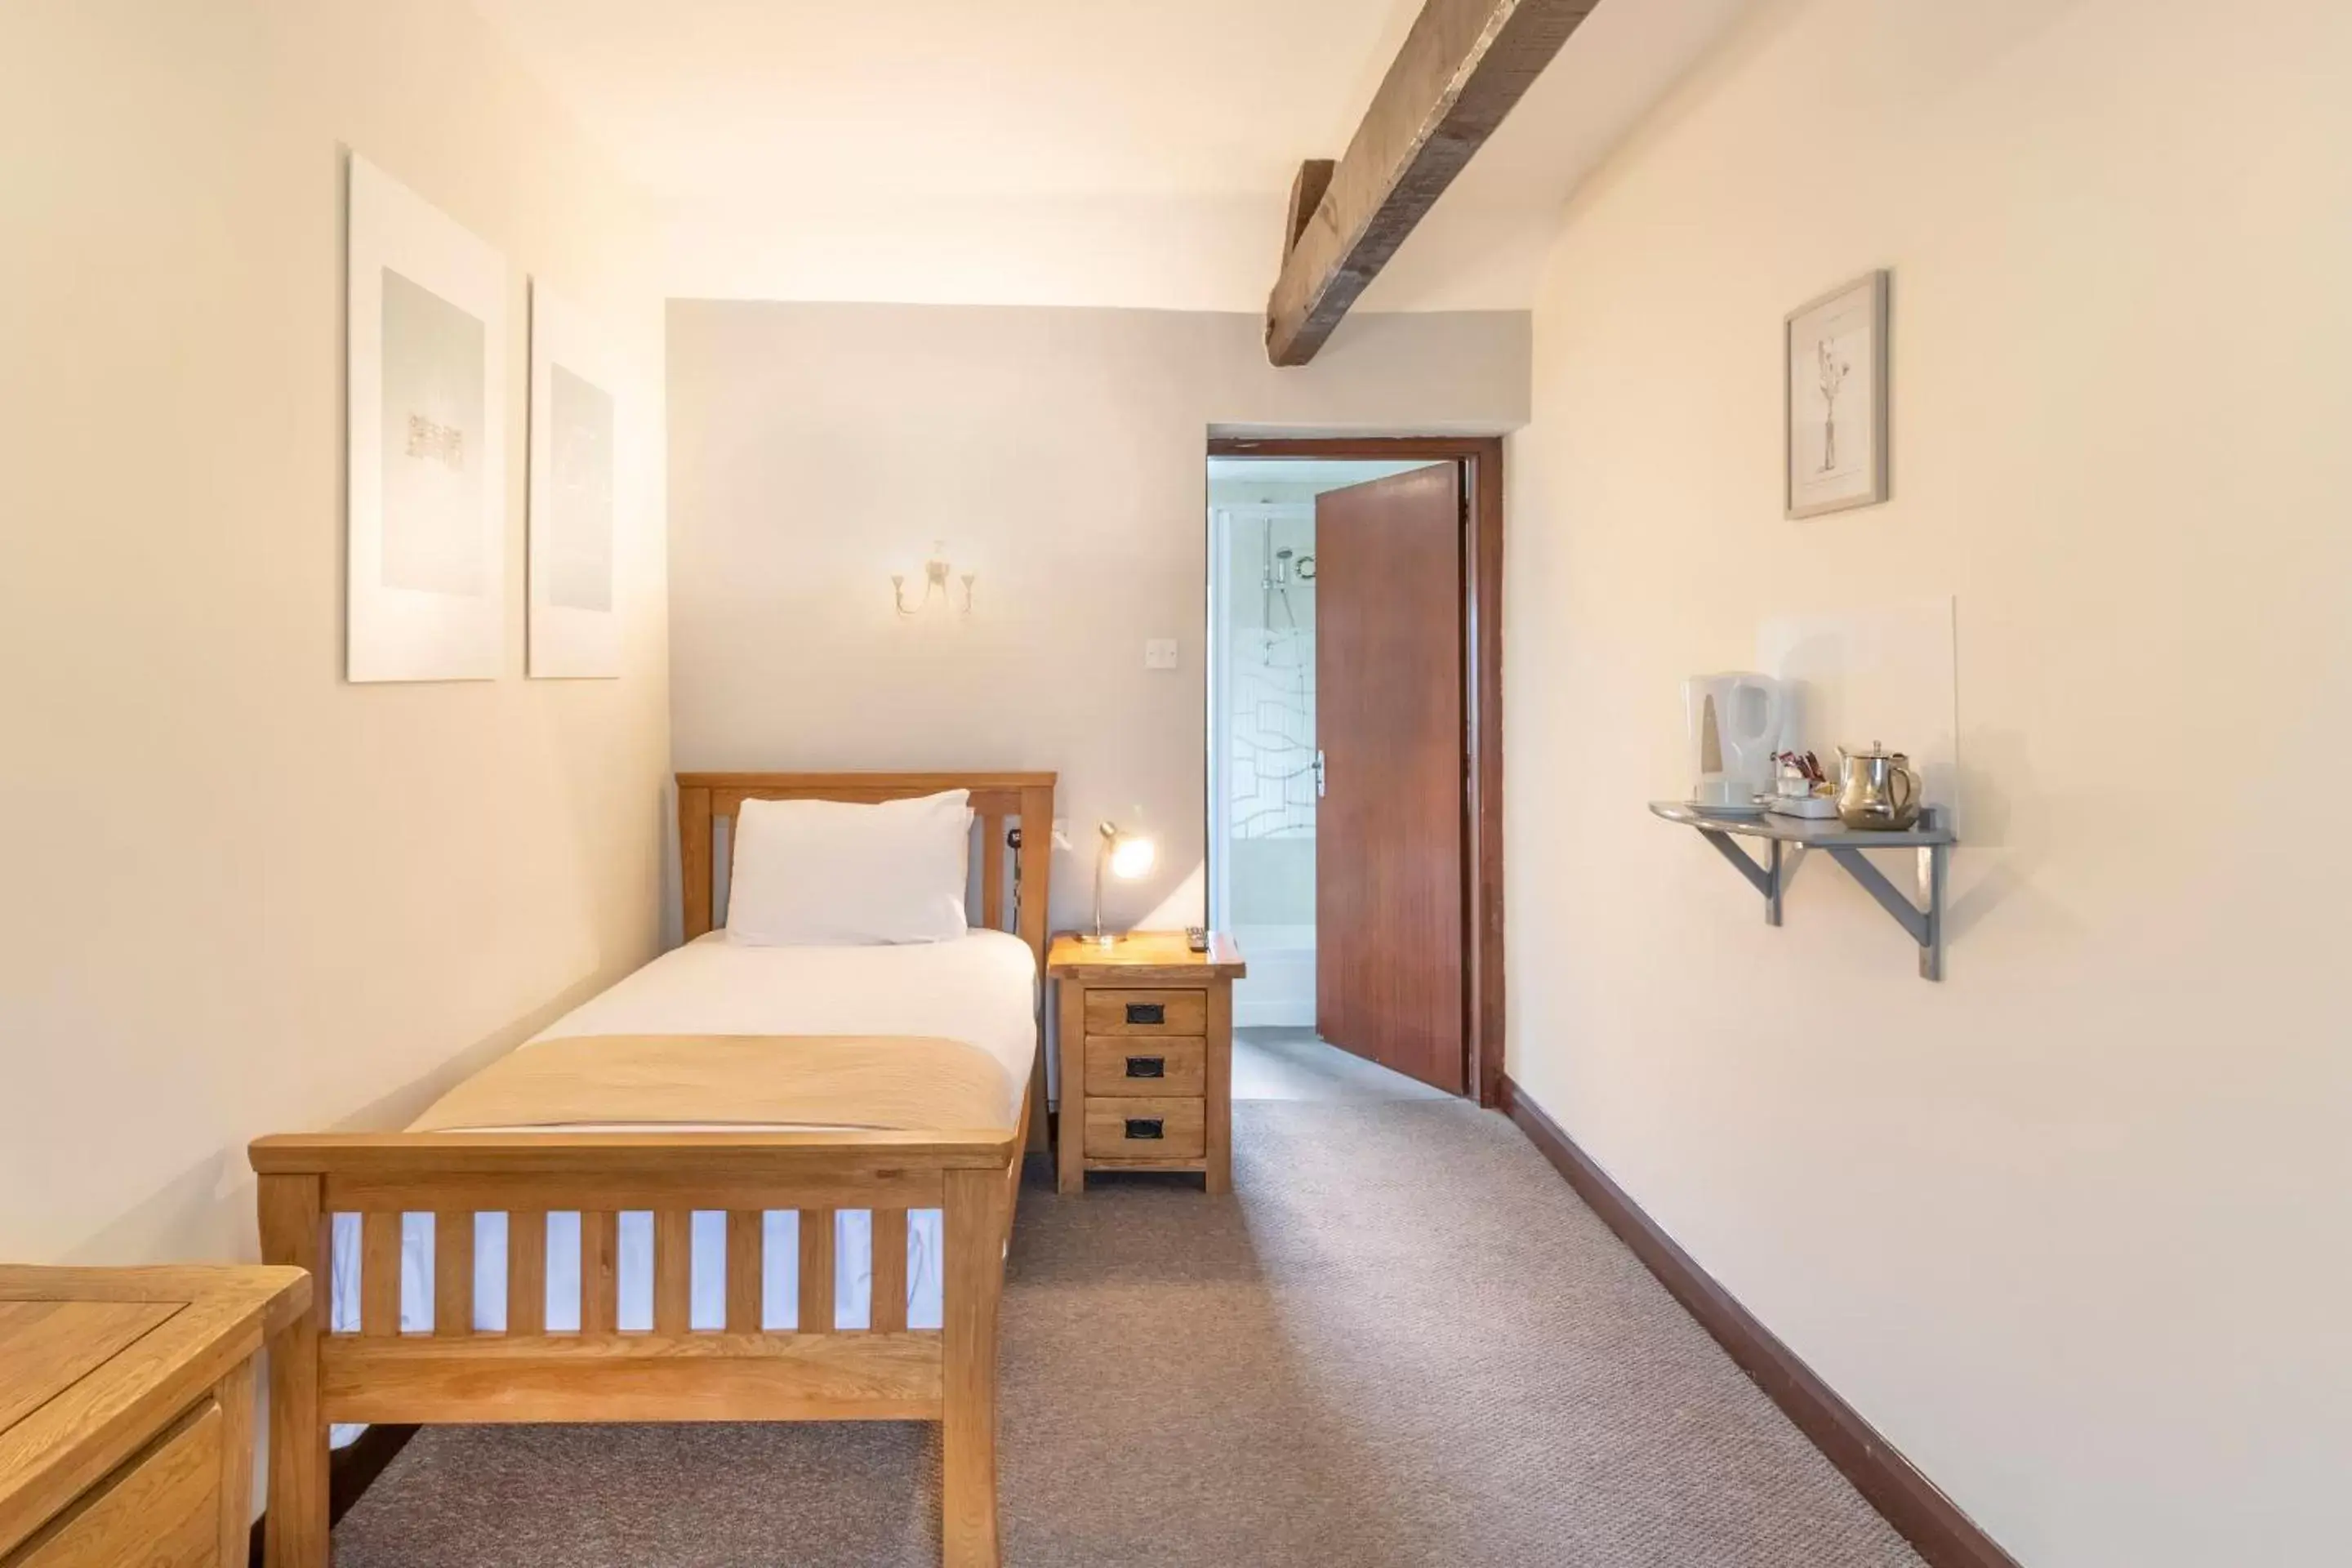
(1197,938)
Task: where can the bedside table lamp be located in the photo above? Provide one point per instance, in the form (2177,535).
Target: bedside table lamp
(1127,856)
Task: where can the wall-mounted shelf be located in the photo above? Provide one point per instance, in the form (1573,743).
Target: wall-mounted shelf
(1786,839)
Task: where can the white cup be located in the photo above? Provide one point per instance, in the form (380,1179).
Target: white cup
(1718,789)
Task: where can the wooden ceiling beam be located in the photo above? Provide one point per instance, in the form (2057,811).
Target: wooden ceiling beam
(1463,66)
(1307,191)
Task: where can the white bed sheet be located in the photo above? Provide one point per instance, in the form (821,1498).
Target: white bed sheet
(980,988)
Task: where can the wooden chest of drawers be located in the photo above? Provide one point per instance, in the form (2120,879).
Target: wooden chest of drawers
(1146,1056)
(127,1412)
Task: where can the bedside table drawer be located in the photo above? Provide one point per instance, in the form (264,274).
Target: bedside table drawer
(1140,1129)
(162,1510)
(1162,1065)
(1147,1012)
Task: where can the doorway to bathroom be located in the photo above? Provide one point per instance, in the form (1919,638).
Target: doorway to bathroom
(1346,845)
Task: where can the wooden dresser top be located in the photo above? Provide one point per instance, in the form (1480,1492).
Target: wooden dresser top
(92,1360)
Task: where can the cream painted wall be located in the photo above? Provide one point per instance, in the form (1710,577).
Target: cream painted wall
(1058,453)
(237,895)
(2067,1227)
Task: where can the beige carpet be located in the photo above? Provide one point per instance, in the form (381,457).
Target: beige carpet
(1403,1341)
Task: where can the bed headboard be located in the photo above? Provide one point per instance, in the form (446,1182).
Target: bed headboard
(999,801)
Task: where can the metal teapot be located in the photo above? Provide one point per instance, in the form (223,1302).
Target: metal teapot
(1877,789)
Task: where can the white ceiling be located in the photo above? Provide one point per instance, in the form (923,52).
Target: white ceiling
(1071,151)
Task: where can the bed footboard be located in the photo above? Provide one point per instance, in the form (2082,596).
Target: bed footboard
(671,1371)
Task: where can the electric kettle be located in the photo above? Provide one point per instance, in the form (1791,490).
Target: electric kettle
(1876,789)
(1735,728)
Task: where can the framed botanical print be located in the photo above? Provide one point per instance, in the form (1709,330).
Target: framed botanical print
(1834,381)
(427,388)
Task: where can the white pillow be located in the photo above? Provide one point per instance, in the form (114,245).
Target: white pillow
(825,873)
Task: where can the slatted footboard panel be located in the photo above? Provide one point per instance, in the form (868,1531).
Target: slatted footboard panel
(722,1325)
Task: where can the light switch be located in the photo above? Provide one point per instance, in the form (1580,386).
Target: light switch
(1159,653)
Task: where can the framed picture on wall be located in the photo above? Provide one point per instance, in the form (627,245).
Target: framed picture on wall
(425,362)
(574,628)
(1834,382)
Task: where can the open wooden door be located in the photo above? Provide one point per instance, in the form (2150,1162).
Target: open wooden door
(1389,912)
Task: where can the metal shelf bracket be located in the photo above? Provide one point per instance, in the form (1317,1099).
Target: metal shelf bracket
(1786,840)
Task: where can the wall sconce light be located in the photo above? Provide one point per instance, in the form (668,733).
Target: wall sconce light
(935,572)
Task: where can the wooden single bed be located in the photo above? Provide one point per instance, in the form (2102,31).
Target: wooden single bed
(673,1373)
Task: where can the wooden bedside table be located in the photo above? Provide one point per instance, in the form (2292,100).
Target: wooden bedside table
(127,1411)
(1147,1053)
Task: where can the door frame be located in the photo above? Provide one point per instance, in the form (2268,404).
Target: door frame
(1481,458)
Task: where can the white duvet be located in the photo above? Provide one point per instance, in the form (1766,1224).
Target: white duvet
(980,988)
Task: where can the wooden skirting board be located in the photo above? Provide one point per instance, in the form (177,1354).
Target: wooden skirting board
(350,1470)
(1890,1483)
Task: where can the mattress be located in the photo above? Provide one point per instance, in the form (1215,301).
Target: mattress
(980,988)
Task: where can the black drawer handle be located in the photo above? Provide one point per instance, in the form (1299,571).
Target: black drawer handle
(1146,1067)
(1147,1012)
(1139,1128)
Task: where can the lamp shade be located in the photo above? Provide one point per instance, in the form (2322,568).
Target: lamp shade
(1131,857)
(1125,855)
